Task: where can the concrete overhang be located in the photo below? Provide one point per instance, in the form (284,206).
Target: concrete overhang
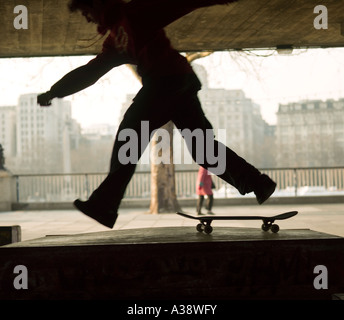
(247,24)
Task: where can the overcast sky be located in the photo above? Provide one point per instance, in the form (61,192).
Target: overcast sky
(268,79)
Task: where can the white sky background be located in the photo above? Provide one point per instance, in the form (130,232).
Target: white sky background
(268,81)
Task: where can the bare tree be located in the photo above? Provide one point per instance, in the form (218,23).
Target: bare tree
(163,192)
(163,186)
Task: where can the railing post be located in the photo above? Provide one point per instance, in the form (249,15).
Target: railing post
(295,181)
(86,186)
(7,190)
(17,189)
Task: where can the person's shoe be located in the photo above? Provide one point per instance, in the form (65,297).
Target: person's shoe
(265,187)
(105,217)
(210,212)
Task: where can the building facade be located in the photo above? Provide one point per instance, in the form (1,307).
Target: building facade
(310,134)
(7,129)
(38,139)
(238,115)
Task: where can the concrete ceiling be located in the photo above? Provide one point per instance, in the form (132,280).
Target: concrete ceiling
(247,24)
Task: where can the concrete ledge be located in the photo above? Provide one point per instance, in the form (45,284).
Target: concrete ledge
(144,203)
(175,263)
(10,234)
(338,296)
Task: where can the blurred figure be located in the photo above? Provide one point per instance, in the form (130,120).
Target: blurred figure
(204,185)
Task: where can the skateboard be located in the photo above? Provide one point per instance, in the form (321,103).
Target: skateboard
(268,222)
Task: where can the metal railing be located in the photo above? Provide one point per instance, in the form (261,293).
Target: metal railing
(67,187)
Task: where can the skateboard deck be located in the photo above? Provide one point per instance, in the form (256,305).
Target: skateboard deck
(268,222)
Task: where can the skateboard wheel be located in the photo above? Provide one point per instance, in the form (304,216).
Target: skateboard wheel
(208,229)
(275,228)
(265,227)
(199,227)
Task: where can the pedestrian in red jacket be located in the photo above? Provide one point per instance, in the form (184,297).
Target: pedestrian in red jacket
(169,92)
(204,185)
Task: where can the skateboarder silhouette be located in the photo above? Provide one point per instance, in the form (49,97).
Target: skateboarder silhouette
(169,92)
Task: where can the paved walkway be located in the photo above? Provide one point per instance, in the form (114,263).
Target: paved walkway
(328,218)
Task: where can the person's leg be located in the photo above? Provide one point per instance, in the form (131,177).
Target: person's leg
(200,204)
(239,173)
(209,204)
(139,119)
(105,200)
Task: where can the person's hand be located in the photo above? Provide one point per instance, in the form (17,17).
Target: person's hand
(44,99)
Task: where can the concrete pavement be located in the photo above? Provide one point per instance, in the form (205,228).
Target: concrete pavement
(327,218)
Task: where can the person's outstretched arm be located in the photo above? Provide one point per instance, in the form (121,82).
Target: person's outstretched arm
(78,79)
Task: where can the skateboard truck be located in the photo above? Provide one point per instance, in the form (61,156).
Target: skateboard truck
(269,224)
(205,226)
